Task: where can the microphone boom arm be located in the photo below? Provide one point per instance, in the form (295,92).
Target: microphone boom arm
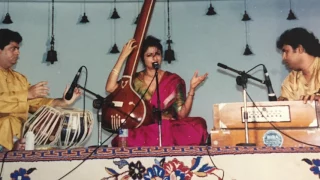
(241,73)
(97,103)
(90,92)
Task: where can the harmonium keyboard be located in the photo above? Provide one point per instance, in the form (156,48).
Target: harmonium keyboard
(276,124)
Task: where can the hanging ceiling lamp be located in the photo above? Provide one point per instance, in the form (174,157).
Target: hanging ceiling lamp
(246,16)
(115,14)
(114,49)
(7,18)
(52,54)
(247,50)
(169,53)
(137,18)
(84,18)
(291,15)
(136,21)
(211,10)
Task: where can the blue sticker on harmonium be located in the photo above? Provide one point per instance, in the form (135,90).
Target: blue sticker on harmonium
(272,138)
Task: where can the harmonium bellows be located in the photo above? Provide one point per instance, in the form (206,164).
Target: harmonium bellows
(277,123)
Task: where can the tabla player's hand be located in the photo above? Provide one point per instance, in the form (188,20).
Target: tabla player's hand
(76,94)
(20,145)
(38,90)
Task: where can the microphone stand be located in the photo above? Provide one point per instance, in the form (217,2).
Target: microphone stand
(158,109)
(97,104)
(242,81)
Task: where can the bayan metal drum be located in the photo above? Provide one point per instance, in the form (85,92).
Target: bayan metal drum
(76,127)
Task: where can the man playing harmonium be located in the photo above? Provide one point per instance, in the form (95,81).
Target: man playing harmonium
(17,96)
(300,52)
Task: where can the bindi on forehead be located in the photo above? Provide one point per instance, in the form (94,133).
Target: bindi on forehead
(152,50)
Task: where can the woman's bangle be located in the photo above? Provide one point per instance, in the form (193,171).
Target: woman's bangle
(190,94)
(115,71)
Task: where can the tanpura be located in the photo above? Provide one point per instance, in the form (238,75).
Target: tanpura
(129,110)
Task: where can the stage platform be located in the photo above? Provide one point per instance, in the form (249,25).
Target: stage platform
(156,163)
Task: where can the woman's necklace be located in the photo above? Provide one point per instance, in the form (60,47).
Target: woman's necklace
(147,75)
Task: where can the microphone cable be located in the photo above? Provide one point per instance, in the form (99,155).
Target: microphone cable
(86,158)
(210,156)
(84,101)
(3,160)
(254,68)
(207,144)
(290,137)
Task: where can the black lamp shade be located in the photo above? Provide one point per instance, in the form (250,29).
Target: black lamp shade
(246,16)
(211,11)
(169,54)
(291,16)
(84,19)
(247,51)
(7,19)
(136,21)
(114,49)
(115,14)
(52,56)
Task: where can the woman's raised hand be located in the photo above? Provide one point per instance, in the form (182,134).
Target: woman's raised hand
(128,48)
(196,80)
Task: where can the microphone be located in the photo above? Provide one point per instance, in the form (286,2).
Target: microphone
(155,65)
(272,96)
(223,66)
(69,93)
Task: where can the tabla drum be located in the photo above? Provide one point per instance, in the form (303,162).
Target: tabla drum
(59,127)
(76,127)
(45,124)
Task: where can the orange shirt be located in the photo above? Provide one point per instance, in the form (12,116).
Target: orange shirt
(14,106)
(295,85)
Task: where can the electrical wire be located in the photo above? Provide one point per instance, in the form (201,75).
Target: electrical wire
(3,160)
(140,99)
(276,128)
(207,148)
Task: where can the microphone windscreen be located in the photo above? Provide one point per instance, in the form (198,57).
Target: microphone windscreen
(222,65)
(155,65)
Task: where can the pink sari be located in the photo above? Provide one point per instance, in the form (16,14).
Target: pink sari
(181,132)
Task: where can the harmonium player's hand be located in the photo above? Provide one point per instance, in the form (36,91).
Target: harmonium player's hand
(281,98)
(311,97)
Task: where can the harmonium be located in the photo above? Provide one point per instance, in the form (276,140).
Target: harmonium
(276,124)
